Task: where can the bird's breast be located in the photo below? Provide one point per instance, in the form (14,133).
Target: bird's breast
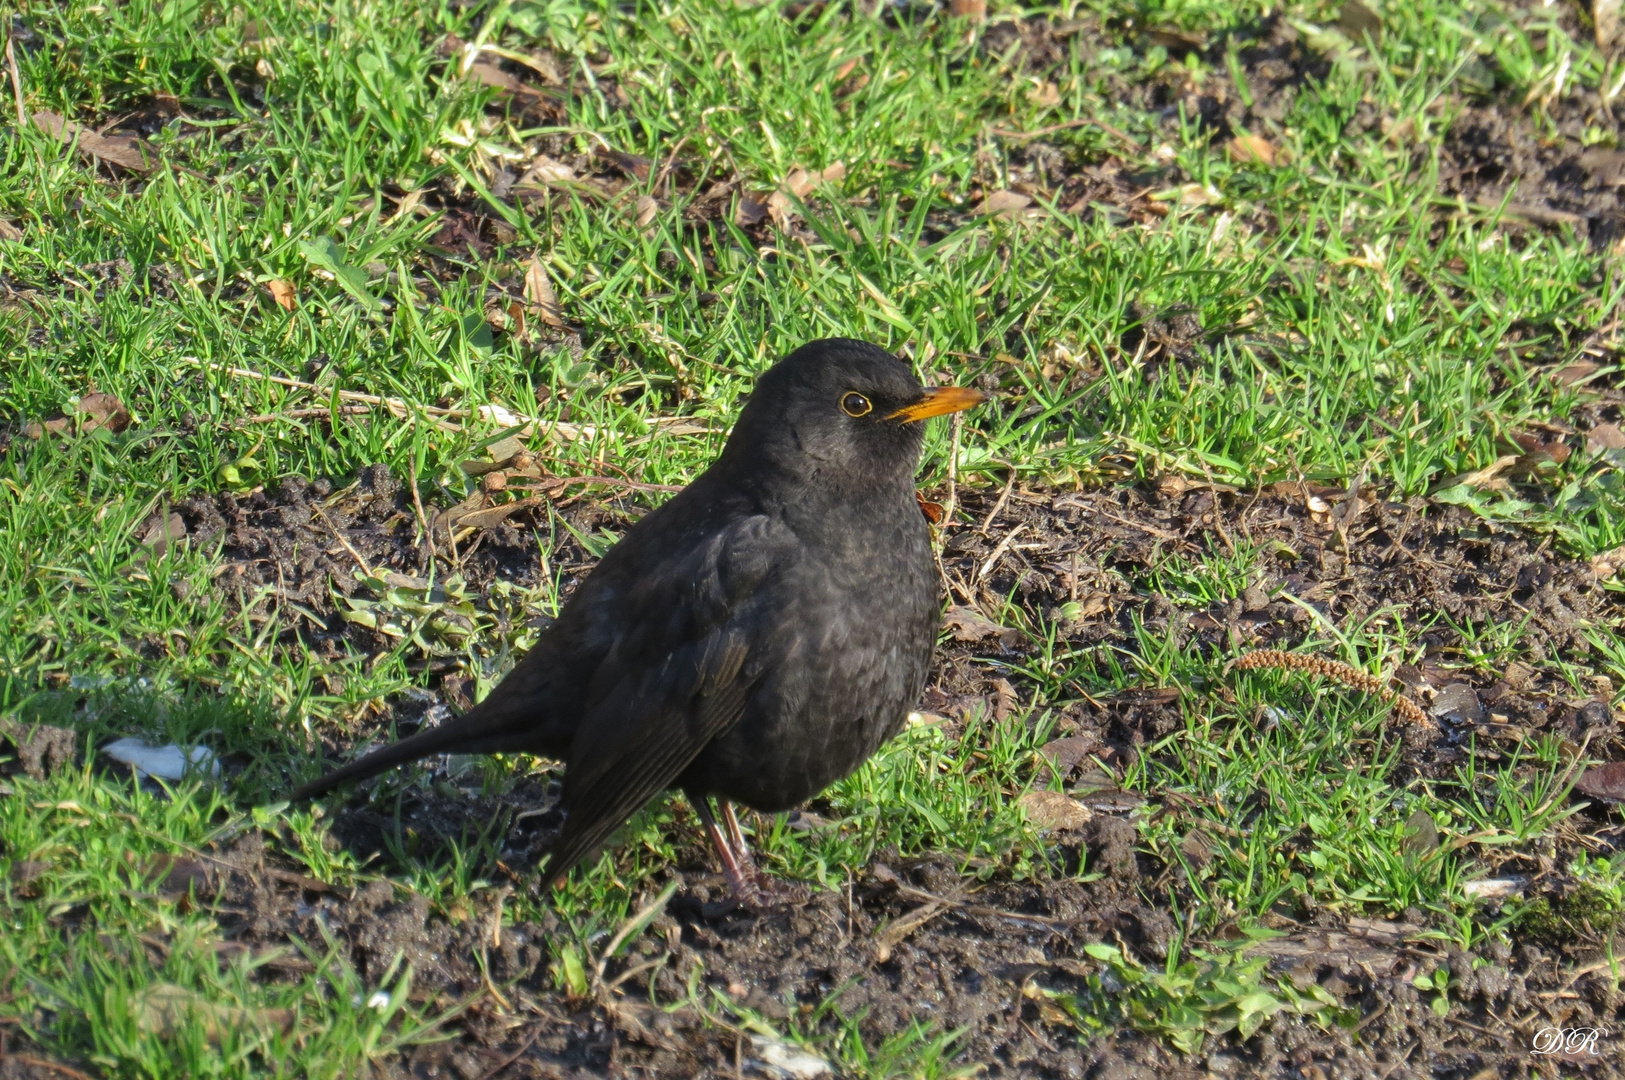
(853,620)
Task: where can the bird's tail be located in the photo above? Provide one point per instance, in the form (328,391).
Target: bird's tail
(482,731)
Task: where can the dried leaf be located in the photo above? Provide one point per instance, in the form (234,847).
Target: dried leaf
(751,209)
(25,877)
(968,624)
(161,530)
(90,413)
(489,74)
(933,511)
(1250,150)
(1484,477)
(1608,563)
(1538,452)
(174,875)
(1356,20)
(798,185)
(1045,95)
(899,929)
(1061,756)
(102,411)
(125,151)
(286,296)
(1606,782)
(1055,811)
(517,326)
(1605,20)
(167,1010)
(540,296)
(489,516)
(801,182)
(648,208)
(1576,373)
(1421,835)
(1458,703)
(548,173)
(634,165)
(9,230)
(1004,203)
(1176,40)
(1605,437)
(974,10)
(1004,697)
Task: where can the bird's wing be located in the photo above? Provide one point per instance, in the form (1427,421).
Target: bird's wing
(677,679)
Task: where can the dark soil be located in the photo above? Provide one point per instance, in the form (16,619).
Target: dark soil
(973,965)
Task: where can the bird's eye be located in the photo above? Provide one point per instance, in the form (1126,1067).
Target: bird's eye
(855,405)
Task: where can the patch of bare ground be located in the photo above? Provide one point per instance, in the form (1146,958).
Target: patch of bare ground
(968,953)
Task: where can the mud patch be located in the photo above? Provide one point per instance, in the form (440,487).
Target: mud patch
(1097,564)
(913,941)
(294,547)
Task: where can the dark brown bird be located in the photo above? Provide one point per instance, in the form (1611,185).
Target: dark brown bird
(754,639)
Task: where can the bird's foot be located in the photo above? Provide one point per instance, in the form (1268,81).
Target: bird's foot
(752,889)
(761,893)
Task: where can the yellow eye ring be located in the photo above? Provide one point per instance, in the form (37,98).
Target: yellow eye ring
(855,404)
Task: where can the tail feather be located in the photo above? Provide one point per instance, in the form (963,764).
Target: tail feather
(476,733)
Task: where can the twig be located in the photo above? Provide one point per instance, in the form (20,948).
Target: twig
(671,160)
(1161,534)
(1004,497)
(16,85)
(633,485)
(1003,546)
(365,569)
(1404,1057)
(1337,672)
(43,1063)
(952,504)
(979,910)
(1084,121)
(490,986)
(1374,1016)
(1218,516)
(397,406)
(898,931)
(302,414)
(439,416)
(535,1034)
(423,519)
(645,915)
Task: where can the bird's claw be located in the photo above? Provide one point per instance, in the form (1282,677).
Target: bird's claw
(762,893)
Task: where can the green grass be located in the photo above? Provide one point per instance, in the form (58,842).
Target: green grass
(1355,322)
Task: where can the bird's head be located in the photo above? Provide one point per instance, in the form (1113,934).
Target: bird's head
(843,410)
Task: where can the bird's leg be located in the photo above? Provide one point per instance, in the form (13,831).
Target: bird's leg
(737,865)
(778,893)
(750,886)
(736,836)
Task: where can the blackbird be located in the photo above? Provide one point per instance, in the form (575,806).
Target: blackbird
(754,639)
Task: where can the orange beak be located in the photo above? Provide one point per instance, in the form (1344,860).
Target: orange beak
(939,401)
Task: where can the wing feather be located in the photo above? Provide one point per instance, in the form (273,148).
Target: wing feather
(679,677)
